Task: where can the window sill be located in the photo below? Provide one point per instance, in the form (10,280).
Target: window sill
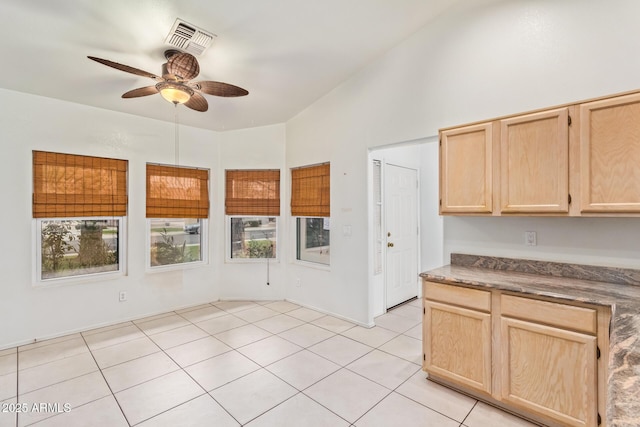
(77,280)
(176,267)
(251,260)
(314,265)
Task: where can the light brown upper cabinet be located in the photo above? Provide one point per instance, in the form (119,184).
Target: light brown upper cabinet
(610,155)
(534,163)
(466,160)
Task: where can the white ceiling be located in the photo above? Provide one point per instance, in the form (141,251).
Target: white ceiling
(286,53)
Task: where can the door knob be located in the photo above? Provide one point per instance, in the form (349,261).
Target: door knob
(389,245)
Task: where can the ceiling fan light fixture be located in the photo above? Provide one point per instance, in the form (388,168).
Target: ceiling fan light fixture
(175,93)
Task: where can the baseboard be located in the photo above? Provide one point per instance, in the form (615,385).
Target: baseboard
(339,316)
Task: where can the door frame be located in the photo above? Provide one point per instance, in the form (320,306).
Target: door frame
(377,282)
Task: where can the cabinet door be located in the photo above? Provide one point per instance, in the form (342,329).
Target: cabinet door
(610,155)
(549,371)
(534,158)
(465,170)
(457,345)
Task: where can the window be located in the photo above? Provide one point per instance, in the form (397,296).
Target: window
(312,240)
(177,209)
(252,203)
(77,247)
(174,241)
(310,202)
(253,237)
(79,204)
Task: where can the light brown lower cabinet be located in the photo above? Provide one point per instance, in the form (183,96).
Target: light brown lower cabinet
(460,344)
(541,359)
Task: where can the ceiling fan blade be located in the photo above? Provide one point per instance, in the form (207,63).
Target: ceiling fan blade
(142,91)
(125,68)
(197,102)
(183,65)
(219,89)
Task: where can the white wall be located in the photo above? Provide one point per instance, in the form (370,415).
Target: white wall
(431,223)
(497,58)
(35,123)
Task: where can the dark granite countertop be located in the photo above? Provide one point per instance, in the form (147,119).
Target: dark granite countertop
(617,288)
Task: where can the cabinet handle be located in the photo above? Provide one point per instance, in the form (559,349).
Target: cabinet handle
(389,245)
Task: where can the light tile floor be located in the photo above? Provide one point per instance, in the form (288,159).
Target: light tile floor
(234,363)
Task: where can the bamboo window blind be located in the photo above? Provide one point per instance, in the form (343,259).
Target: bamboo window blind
(68,185)
(310,190)
(177,192)
(252,192)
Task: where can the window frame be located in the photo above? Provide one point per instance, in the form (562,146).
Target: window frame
(39,282)
(204,249)
(228,243)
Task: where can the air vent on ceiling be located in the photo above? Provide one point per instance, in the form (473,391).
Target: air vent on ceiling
(189,38)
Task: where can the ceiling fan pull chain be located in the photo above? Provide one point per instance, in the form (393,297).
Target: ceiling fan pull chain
(177,137)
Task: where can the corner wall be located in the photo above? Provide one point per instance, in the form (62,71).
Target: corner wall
(29,123)
(491,59)
(255,148)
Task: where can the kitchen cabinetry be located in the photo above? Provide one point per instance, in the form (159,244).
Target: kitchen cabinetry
(458,329)
(548,360)
(466,166)
(610,155)
(536,163)
(536,357)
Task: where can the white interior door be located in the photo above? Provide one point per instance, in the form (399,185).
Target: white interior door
(401,221)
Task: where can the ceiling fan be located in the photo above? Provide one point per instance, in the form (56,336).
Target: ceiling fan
(174,85)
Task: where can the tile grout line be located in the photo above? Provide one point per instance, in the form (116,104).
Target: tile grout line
(469,413)
(107,382)
(261,367)
(321,379)
(206,392)
(432,409)
(374,405)
(69,379)
(17,384)
(346,368)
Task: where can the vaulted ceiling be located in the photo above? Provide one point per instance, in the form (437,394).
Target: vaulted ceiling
(286,53)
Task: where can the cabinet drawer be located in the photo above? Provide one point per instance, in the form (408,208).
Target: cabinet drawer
(457,295)
(563,316)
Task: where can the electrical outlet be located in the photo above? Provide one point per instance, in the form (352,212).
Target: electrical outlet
(298,282)
(122,296)
(530,238)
